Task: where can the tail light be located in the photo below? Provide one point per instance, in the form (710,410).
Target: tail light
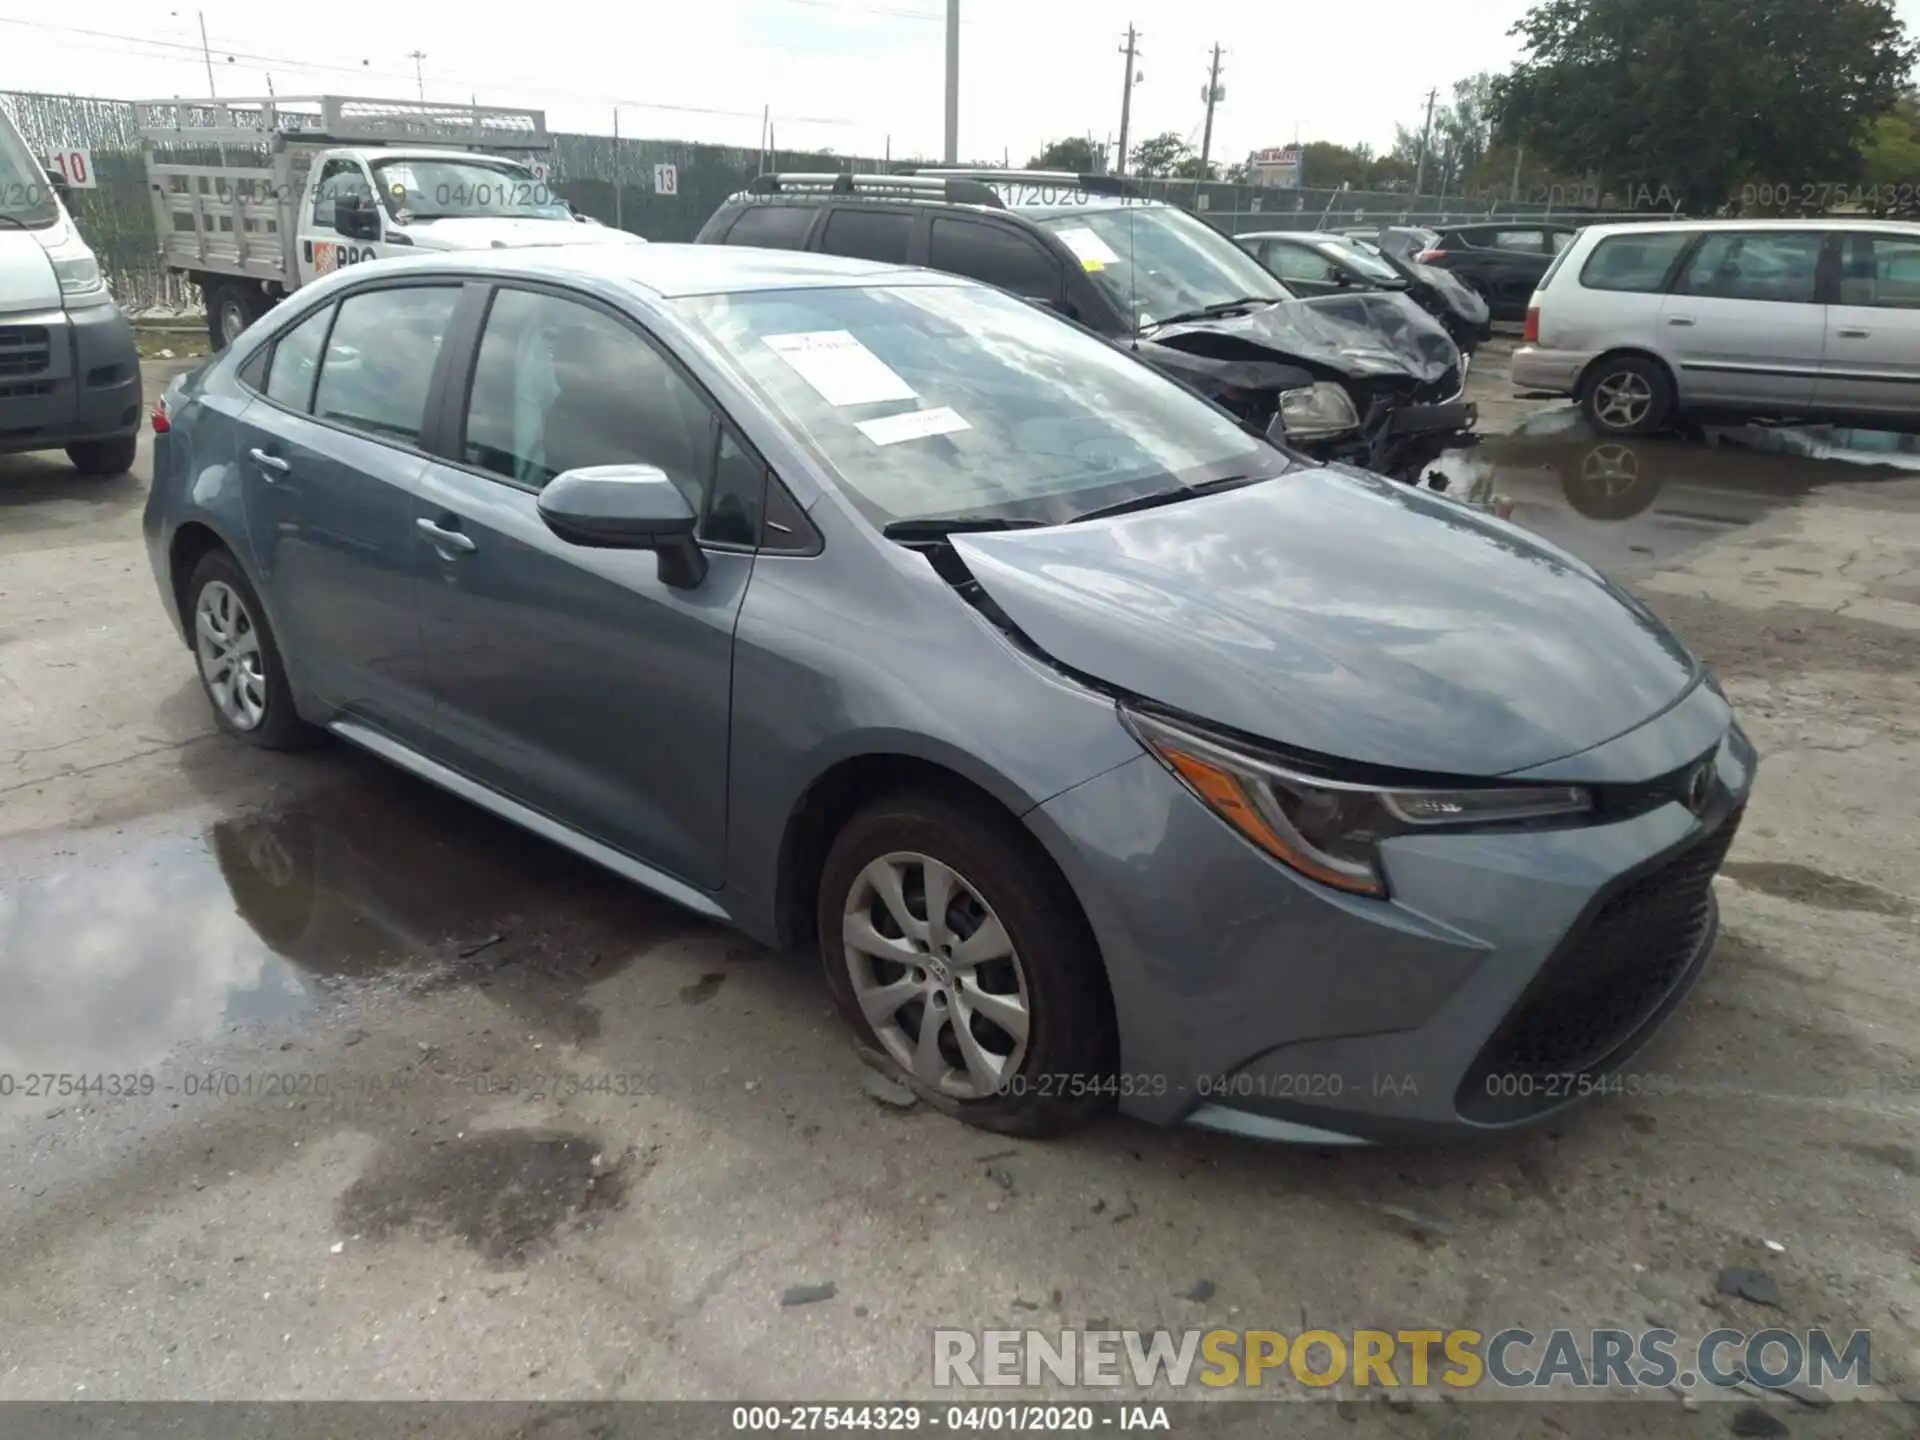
(1531,335)
(159,417)
(1427,257)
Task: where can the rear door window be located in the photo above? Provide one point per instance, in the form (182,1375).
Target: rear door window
(995,255)
(380,360)
(883,235)
(776,227)
(1638,264)
(1521,242)
(296,360)
(1780,266)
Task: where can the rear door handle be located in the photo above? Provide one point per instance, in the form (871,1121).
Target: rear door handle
(444,538)
(268,462)
(1855,334)
(1679,320)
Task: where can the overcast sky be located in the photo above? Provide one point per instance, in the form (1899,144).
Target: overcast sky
(847,74)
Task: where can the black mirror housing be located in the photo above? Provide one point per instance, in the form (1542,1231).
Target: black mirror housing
(356,218)
(627,507)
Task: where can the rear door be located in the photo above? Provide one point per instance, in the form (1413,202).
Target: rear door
(885,235)
(1872,359)
(1512,261)
(1744,325)
(570,678)
(331,466)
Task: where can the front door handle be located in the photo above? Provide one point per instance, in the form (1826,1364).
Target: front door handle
(444,538)
(268,462)
(1679,320)
(1855,334)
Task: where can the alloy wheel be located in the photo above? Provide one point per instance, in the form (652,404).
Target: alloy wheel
(936,975)
(227,642)
(1621,400)
(233,320)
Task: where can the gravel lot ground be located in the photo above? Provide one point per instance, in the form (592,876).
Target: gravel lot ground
(456,1217)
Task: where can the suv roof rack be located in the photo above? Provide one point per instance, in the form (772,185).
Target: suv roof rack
(960,191)
(1092,184)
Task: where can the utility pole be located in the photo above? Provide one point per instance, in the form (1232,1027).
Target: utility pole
(1426,134)
(1519,154)
(1131,51)
(206,53)
(953,82)
(419,78)
(1214,94)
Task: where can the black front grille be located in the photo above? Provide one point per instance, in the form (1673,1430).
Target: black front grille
(1606,980)
(25,350)
(24,389)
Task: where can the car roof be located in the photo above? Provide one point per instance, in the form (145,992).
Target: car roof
(1293,235)
(672,270)
(1512,222)
(1758,222)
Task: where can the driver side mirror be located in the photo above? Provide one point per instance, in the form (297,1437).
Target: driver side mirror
(357,217)
(627,507)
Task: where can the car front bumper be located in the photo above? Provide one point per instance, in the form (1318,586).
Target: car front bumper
(1555,372)
(70,375)
(1510,974)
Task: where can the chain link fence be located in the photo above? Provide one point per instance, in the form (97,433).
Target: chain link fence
(625,182)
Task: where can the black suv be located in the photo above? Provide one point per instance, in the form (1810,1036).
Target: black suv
(1503,260)
(1366,378)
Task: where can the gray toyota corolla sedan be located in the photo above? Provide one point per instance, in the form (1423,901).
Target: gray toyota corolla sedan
(1107,752)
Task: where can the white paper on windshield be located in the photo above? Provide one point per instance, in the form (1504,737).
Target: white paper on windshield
(1094,253)
(912,425)
(837,365)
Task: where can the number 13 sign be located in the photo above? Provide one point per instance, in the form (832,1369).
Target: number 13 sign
(75,166)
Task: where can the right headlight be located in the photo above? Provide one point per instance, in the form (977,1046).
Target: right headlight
(1330,830)
(1315,411)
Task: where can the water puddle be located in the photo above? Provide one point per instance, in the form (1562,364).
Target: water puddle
(117,947)
(1624,502)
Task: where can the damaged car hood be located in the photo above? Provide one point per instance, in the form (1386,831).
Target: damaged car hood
(1365,334)
(1340,613)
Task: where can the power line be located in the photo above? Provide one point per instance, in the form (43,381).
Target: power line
(493,83)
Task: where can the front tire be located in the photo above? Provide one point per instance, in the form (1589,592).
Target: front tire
(99,459)
(962,961)
(239,663)
(1627,395)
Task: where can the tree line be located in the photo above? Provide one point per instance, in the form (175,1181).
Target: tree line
(1698,106)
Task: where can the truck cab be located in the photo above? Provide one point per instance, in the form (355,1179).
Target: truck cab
(255,198)
(69,373)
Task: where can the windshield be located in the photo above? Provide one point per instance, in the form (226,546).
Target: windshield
(25,195)
(1155,261)
(1361,259)
(933,401)
(425,188)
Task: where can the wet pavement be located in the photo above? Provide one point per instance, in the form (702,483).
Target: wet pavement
(437,1109)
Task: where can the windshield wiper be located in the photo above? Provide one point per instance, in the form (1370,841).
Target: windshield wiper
(938,527)
(1168,497)
(1213,312)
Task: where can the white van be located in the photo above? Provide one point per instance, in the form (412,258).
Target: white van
(69,373)
(1731,320)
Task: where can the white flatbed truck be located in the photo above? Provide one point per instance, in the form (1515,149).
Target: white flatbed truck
(253,198)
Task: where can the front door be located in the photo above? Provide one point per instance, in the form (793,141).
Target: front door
(1872,361)
(571,678)
(1304,269)
(1743,326)
(331,467)
(323,248)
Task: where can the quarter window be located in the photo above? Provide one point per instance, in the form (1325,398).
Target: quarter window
(380,360)
(996,256)
(1753,265)
(559,385)
(296,360)
(1637,263)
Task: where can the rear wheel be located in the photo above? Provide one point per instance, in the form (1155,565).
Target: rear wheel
(960,957)
(232,306)
(240,666)
(100,458)
(1627,395)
